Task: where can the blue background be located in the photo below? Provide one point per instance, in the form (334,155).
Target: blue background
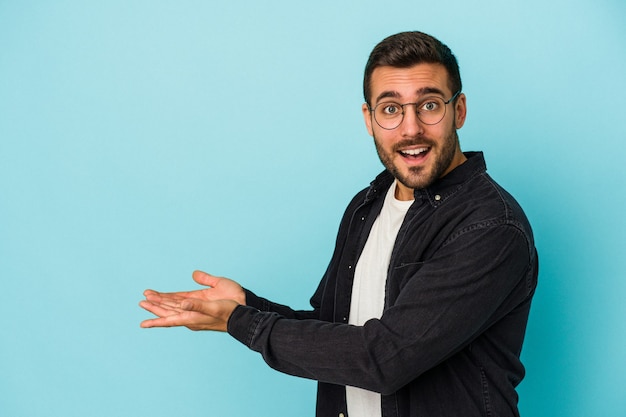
(140,140)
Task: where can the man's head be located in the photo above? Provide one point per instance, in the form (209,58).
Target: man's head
(406,49)
(413,108)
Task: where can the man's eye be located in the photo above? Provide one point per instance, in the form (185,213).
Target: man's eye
(430,106)
(391,109)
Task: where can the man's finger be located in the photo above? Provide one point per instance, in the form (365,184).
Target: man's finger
(158,309)
(159,322)
(171,300)
(203,278)
(185,318)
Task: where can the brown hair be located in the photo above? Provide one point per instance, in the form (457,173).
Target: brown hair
(406,49)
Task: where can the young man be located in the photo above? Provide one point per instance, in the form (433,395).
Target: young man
(423,308)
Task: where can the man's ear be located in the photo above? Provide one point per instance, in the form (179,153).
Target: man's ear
(460,107)
(367,116)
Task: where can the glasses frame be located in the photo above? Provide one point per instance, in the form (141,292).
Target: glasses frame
(445,107)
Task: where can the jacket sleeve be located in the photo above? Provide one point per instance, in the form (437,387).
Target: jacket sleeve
(287,312)
(445,303)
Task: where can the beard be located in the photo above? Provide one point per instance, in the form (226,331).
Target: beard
(424,175)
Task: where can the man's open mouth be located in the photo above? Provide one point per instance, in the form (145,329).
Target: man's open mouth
(414,153)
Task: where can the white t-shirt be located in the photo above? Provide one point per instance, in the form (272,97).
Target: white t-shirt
(368,288)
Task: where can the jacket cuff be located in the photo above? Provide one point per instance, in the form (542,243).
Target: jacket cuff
(255,301)
(242,323)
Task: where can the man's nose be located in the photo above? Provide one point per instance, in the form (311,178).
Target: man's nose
(411,124)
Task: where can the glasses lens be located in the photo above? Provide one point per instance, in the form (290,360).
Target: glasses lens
(388,115)
(431,110)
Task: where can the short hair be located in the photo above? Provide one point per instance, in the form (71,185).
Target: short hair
(406,49)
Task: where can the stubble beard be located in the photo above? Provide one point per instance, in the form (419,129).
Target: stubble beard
(420,177)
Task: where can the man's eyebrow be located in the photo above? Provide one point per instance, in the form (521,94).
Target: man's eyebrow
(419,92)
(387,94)
(430,90)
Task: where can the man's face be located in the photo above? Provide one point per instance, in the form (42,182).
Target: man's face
(416,154)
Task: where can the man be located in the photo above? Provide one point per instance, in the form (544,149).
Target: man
(423,308)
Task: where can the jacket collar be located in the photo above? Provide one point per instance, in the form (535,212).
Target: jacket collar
(441,189)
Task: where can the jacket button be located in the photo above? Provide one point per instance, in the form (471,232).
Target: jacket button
(341,415)
(437,197)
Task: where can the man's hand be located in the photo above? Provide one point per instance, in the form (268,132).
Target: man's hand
(206,309)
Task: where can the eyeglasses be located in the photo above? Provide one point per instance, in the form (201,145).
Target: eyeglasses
(430,110)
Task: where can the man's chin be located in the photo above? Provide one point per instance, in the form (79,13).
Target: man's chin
(416,178)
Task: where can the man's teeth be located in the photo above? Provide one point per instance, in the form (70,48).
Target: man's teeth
(414,152)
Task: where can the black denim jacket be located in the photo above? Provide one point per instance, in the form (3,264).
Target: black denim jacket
(460,282)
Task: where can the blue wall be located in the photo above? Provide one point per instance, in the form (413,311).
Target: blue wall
(140,140)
